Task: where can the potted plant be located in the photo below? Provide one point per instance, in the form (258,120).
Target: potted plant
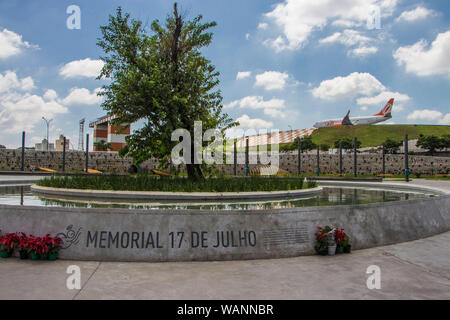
(53,245)
(34,247)
(7,244)
(331,243)
(43,248)
(23,246)
(346,245)
(321,244)
(339,236)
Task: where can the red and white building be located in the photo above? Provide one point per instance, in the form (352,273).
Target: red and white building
(115,135)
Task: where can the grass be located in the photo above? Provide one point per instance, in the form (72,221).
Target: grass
(372,136)
(152,183)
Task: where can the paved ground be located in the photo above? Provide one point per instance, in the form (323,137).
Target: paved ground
(412,270)
(441,184)
(19,179)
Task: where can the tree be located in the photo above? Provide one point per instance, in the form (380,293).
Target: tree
(324,147)
(160,78)
(347,143)
(431,143)
(392,146)
(306,143)
(446,141)
(102,145)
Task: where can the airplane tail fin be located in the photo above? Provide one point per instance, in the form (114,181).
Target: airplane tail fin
(346,121)
(386,111)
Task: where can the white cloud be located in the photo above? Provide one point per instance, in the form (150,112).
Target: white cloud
(273,107)
(297,19)
(425,114)
(86,68)
(271,80)
(353,85)
(247,36)
(416,14)
(263,26)
(246,122)
(344,23)
(82,96)
(20,112)
(11,44)
(363,108)
(243,75)
(445,119)
(10,81)
(348,37)
(362,51)
(399,107)
(50,95)
(423,61)
(384,97)
(352,38)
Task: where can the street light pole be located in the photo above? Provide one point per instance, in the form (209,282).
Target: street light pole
(48,125)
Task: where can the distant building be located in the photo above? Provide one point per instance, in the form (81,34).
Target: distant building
(43,146)
(114,135)
(59,143)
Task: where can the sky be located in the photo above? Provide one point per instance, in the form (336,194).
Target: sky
(283,63)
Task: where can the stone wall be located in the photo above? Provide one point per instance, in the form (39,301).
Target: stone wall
(368,163)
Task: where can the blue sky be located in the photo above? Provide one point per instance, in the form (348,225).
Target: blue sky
(282,62)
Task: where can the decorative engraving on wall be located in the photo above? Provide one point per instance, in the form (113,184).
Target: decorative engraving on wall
(71,237)
(287,235)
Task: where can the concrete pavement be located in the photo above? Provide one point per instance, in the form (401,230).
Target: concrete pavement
(19,179)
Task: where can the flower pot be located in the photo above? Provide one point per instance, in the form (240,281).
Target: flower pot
(331,250)
(348,249)
(340,250)
(5,254)
(53,256)
(23,254)
(323,252)
(43,257)
(34,256)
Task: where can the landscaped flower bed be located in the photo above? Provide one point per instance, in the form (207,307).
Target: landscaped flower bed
(176,184)
(43,248)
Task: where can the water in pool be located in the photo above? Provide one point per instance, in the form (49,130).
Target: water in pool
(21,195)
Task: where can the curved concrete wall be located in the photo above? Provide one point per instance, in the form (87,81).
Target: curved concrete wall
(184,235)
(156,195)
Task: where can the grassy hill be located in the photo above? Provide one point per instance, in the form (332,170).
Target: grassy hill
(375,135)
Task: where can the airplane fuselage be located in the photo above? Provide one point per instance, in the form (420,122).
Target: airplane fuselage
(355,121)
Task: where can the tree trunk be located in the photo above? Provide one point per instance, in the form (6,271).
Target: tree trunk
(194,171)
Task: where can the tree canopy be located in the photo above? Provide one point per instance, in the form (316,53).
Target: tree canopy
(161,79)
(392,146)
(433,143)
(306,144)
(347,143)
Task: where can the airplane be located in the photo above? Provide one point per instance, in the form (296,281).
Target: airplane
(383,115)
